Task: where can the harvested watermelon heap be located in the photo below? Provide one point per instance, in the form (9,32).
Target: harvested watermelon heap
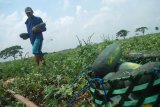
(124,84)
(113,83)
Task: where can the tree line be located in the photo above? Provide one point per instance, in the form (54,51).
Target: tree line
(123,33)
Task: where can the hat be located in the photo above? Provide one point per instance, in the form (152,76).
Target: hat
(28,9)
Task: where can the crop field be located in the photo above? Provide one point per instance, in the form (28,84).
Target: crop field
(52,85)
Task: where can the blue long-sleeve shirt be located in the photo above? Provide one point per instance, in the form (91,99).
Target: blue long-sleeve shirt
(30,23)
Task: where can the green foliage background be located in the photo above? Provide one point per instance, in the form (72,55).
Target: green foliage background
(50,85)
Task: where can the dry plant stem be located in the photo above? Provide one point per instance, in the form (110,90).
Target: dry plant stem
(22,99)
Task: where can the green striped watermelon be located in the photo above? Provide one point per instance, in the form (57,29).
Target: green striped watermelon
(107,60)
(128,66)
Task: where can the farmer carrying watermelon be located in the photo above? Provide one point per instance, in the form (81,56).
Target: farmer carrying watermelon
(35,27)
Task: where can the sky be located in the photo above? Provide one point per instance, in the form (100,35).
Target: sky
(67,19)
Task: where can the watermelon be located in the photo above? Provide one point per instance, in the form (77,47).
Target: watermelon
(145,71)
(105,80)
(120,83)
(24,36)
(124,70)
(107,60)
(41,27)
(128,66)
(128,69)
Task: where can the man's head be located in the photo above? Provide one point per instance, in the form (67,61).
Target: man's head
(29,11)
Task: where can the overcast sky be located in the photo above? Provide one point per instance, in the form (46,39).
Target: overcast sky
(67,18)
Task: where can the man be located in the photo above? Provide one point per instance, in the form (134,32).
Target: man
(36,36)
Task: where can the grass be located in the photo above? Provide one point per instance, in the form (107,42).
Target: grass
(44,85)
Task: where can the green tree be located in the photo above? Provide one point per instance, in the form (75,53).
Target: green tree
(122,33)
(13,51)
(141,29)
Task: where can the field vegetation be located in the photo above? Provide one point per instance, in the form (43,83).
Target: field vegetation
(52,85)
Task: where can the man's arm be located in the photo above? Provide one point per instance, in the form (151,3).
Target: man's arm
(41,27)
